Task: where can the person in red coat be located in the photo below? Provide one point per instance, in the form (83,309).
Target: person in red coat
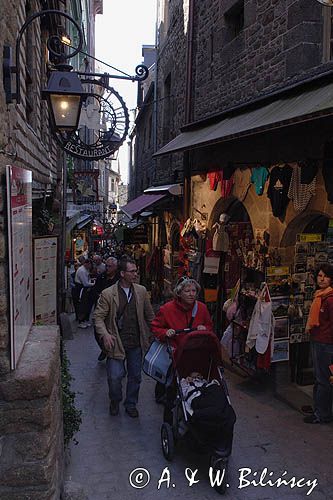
(184,311)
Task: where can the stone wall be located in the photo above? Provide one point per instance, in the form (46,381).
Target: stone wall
(31,443)
(281,43)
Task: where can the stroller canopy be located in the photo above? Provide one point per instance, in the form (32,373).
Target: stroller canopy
(198,351)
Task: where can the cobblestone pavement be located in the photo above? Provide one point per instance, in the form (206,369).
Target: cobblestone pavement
(268,434)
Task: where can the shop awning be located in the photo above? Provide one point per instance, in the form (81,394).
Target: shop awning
(78,220)
(83,221)
(283,111)
(140,203)
(174,189)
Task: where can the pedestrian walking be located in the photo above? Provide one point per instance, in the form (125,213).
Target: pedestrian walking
(122,319)
(82,293)
(319,325)
(104,280)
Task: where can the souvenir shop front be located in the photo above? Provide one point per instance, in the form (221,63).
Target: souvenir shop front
(266,229)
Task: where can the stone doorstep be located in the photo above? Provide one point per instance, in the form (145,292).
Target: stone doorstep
(40,360)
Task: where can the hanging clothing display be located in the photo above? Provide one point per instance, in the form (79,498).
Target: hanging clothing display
(226,185)
(309,170)
(299,193)
(261,327)
(221,237)
(214,179)
(228,171)
(242,182)
(328,178)
(279,182)
(258,178)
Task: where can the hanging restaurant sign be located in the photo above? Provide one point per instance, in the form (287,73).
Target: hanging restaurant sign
(103,123)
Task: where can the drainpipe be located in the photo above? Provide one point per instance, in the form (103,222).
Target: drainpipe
(188,107)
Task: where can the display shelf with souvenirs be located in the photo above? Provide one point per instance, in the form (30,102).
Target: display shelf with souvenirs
(311,250)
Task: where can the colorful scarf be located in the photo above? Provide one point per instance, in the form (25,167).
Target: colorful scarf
(313,319)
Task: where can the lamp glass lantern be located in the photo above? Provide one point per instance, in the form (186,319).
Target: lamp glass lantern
(64,94)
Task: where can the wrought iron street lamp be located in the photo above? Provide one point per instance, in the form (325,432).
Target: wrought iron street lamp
(64,94)
(67,90)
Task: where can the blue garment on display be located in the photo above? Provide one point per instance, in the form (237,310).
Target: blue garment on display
(258,178)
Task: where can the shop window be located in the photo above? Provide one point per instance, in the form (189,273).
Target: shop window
(234,19)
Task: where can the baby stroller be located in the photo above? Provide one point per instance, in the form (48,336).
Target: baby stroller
(210,425)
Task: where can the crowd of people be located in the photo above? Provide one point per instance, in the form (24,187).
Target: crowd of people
(125,323)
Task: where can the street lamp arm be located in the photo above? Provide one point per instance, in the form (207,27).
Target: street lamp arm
(50,48)
(141,74)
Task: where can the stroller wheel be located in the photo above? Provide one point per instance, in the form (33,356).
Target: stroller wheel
(167,441)
(218,473)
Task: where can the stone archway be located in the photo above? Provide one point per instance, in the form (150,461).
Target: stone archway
(233,207)
(303,223)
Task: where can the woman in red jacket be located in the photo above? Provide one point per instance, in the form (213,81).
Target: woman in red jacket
(184,311)
(320,326)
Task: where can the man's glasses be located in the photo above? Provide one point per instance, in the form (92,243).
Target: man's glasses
(132,272)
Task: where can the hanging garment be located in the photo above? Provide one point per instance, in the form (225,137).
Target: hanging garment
(300,193)
(220,238)
(228,171)
(226,185)
(258,178)
(328,178)
(309,170)
(279,181)
(261,327)
(214,179)
(242,182)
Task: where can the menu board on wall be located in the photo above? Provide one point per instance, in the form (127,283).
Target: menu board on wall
(45,280)
(19,203)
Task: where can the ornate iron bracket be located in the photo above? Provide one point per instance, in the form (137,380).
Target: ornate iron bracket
(52,42)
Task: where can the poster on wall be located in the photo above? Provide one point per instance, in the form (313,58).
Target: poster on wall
(45,280)
(19,210)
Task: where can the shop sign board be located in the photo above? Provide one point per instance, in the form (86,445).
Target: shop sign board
(45,280)
(309,237)
(19,211)
(277,271)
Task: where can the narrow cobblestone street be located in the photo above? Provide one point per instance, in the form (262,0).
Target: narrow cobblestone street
(268,434)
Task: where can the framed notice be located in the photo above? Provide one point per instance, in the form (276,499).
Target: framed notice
(19,211)
(45,280)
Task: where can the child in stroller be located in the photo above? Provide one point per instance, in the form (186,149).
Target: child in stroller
(197,404)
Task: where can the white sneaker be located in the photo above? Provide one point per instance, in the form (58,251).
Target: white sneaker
(83,324)
(87,323)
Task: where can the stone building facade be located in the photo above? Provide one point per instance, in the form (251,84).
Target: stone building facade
(216,56)
(31,420)
(31,458)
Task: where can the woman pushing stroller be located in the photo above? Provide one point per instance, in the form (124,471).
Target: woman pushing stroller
(185,324)
(182,313)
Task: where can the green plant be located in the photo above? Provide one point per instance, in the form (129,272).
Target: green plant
(71,415)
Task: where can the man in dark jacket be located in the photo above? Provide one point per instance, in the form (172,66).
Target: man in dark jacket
(104,280)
